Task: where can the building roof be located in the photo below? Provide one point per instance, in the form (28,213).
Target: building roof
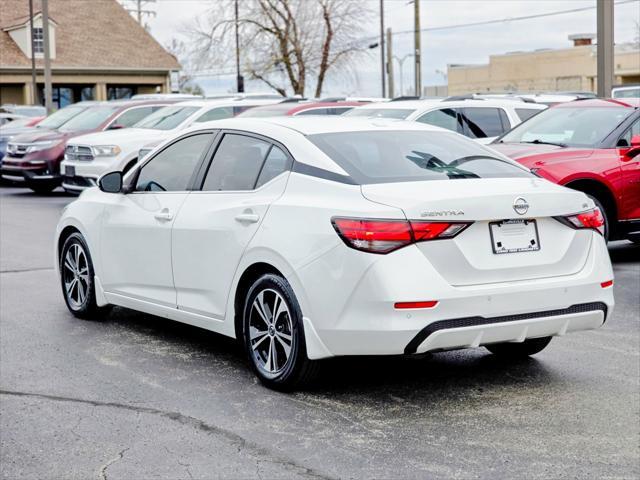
(89,35)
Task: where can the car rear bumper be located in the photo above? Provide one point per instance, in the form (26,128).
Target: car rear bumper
(364,320)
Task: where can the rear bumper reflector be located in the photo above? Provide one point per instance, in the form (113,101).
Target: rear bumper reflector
(607,284)
(409,305)
(412,346)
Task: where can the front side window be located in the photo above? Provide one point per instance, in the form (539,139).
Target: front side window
(410,156)
(90,119)
(171,169)
(393,113)
(166,118)
(569,126)
(445,118)
(133,116)
(236,163)
(625,139)
(482,122)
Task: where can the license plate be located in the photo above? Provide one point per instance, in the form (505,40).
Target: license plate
(69,171)
(514,236)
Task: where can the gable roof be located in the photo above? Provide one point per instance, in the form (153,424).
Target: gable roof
(23,21)
(96,34)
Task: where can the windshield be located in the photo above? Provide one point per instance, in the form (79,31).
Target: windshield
(90,119)
(57,119)
(569,126)
(166,118)
(409,156)
(627,93)
(397,113)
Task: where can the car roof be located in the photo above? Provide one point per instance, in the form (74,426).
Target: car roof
(425,104)
(228,102)
(602,102)
(311,125)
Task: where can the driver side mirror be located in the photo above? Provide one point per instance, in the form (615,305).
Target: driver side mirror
(111,182)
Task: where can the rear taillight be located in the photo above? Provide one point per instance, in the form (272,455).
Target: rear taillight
(384,236)
(590,219)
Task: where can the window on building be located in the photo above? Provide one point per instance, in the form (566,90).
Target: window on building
(38,40)
(117,93)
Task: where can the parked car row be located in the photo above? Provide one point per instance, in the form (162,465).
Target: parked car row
(587,144)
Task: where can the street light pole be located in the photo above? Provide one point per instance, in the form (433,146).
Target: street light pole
(34,83)
(382,51)
(416,35)
(389,63)
(239,79)
(605,51)
(48,101)
(400,65)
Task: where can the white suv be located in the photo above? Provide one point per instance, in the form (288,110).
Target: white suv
(87,157)
(481,120)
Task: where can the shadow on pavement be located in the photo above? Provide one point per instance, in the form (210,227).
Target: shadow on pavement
(624,252)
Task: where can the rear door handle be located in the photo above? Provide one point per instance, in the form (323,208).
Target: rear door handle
(165,215)
(248,218)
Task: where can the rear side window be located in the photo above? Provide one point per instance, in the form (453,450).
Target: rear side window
(445,118)
(172,168)
(526,113)
(276,163)
(482,122)
(313,111)
(133,115)
(216,114)
(236,163)
(409,156)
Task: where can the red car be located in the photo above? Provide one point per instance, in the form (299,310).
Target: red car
(589,145)
(301,108)
(33,159)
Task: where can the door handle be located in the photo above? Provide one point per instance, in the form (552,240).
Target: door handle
(164,215)
(248,218)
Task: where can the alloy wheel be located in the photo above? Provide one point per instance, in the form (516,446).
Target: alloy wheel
(271,336)
(76,275)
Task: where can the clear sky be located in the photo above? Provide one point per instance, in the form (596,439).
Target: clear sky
(442,47)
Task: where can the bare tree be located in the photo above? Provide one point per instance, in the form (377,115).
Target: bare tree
(186,83)
(287,44)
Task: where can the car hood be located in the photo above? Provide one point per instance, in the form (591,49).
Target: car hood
(40,136)
(118,137)
(10,132)
(536,155)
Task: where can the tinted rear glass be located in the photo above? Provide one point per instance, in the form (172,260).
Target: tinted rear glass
(397,113)
(408,156)
(90,119)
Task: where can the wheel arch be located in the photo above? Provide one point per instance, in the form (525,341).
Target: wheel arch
(604,195)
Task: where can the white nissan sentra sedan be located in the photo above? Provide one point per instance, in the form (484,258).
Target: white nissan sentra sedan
(308,238)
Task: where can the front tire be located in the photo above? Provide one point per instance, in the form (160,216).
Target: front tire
(77,279)
(273,335)
(525,349)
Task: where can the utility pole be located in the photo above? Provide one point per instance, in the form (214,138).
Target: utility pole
(605,47)
(239,78)
(416,35)
(382,52)
(390,63)
(34,83)
(48,91)
(139,9)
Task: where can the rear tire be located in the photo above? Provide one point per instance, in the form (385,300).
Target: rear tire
(77,279)
(525,349)
(273,335)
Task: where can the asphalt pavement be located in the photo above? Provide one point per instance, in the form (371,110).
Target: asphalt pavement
(140,397)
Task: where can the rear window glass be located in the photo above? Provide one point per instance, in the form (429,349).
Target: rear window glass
(166,118)
(90,119)
(397,113)
(408,156)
